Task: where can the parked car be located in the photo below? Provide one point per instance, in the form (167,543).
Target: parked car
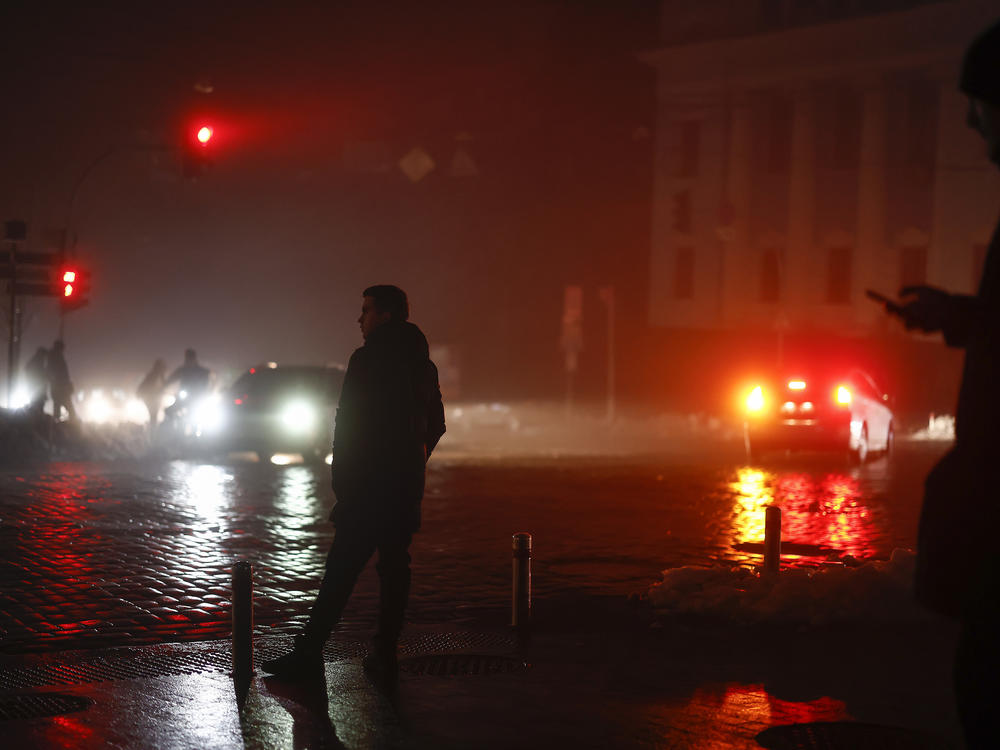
(818,411)
(274,408)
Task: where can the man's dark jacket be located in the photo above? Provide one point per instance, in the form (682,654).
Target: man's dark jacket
(389,419)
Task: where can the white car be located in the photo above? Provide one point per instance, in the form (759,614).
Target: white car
(818,411)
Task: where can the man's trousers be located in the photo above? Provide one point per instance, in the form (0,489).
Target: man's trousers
(355,542)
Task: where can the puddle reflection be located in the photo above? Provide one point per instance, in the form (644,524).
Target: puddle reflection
(207,487)
(822,513)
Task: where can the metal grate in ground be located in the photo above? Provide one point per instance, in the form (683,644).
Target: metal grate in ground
(132,665)
(135,664)
(846,735)
(38,705)
(461,665)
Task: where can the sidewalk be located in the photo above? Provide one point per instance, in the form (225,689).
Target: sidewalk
(595,673)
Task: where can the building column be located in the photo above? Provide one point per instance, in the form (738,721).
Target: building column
(873,259)
(959,169)
(804,279)
(735,230)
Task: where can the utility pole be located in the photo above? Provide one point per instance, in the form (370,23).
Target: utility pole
(572,337)
(14,232)
(607,294)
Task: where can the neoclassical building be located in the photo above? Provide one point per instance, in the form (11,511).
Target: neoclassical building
(807,151)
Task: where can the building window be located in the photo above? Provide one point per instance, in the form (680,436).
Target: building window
(779,134)
(978,263)
(847,131)
(770,276)
(684,273)
(921,124)
(913,265)
(838,275)
(689,143)
(681,208)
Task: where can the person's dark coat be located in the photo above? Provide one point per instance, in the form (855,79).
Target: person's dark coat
(956,569)
(389,419)
(974,324)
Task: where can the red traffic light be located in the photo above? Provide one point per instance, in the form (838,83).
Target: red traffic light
(197,147)
(73,288)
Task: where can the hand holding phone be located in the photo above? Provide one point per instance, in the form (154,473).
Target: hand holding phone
(891,306)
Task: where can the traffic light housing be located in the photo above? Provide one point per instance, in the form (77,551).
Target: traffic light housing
(73,285)
(197,148)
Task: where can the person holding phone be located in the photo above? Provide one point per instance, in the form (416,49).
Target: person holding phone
(958,568)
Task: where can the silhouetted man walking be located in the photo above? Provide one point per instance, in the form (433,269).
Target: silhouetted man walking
(958,571)
(389,419)
(193,382)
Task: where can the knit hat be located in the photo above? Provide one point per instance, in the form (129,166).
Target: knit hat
(981,67)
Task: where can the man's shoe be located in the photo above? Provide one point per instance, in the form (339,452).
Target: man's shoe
(299,664)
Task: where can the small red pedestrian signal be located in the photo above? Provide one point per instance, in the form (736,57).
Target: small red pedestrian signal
(74,287)
(69,284)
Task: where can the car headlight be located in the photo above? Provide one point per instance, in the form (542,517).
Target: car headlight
(208,415)
(99,409)
(299,417)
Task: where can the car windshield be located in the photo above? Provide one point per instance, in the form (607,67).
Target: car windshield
(266,382)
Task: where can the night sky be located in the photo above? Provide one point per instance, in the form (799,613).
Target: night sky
(537,116)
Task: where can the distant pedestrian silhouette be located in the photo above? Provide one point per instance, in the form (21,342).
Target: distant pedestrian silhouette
(193,381)
(958,569)
(60,385)
(389,419)
(36,381)
(151,390)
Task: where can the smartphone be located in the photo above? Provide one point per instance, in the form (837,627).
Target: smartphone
(890,305)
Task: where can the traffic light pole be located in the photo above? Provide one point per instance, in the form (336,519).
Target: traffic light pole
(13,338)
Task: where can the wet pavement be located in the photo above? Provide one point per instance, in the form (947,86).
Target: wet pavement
(597,684)
(130,562)
(141,552)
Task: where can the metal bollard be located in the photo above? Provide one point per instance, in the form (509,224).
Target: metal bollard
(242,620)
(772,539)
(520,616)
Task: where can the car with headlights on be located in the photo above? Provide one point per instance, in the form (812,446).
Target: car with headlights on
(825,411)
(272,409)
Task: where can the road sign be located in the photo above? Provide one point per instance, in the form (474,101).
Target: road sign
(30,258)
(15,230)
(25,273)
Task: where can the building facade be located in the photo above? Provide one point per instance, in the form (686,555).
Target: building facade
(808,151)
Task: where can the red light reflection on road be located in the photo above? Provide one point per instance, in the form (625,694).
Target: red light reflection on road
(826,513)
(730,715)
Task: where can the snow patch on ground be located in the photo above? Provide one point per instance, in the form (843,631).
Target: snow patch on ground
(878,590)
(938,428)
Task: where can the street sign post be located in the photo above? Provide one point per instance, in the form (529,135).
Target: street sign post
(33,274)
(572,336)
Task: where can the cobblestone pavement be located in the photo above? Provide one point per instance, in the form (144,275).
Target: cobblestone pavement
(117,553)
